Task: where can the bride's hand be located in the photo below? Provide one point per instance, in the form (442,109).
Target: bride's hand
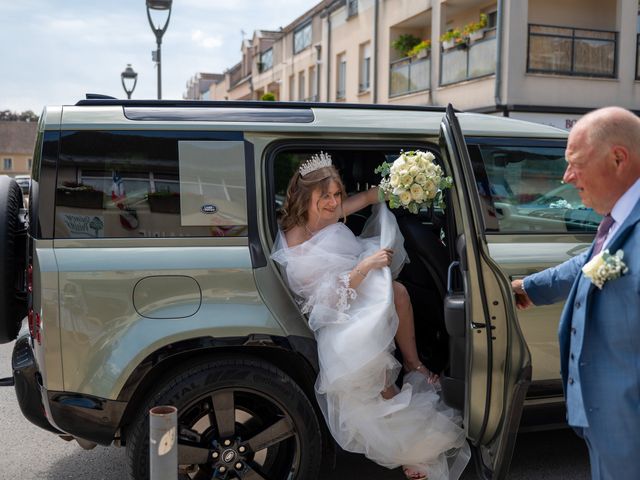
(382,258)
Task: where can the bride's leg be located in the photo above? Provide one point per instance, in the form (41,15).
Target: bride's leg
(406,335)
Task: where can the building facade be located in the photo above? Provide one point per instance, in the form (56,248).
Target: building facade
(542,60)
(198,86)
(17,142)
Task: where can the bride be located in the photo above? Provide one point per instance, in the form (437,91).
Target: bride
(358,313)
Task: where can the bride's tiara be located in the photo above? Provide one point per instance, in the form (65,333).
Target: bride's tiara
(316,162)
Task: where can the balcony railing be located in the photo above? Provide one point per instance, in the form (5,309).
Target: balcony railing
(572,51)
(469,61)
(638,56)
(409,75)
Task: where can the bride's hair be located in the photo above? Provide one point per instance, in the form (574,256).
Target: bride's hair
(294,212)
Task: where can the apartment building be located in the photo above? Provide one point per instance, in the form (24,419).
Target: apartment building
(198,86)
(17,142)
(542,60)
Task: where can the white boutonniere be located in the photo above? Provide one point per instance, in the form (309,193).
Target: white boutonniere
(604,267)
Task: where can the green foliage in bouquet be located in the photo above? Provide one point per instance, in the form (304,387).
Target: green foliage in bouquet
(413,181)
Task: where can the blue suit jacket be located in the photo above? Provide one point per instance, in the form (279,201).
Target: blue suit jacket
(609,362)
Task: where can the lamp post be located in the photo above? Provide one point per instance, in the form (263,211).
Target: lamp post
(129,75)
(159,5)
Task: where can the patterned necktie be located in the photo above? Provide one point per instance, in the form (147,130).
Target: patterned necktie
(603,229)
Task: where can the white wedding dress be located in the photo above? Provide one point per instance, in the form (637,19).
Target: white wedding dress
(355,333)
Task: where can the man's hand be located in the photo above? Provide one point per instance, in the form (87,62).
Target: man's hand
(522,299)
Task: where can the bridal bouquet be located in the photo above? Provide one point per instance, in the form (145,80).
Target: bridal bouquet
(413,181)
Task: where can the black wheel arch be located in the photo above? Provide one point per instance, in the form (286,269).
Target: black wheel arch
(295,356)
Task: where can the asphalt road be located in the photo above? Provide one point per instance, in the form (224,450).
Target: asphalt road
(29,453)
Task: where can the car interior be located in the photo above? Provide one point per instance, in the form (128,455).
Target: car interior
(427,237)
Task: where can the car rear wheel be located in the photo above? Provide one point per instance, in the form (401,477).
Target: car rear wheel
(12,303)
(237,419)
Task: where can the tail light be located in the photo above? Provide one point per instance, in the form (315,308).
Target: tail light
(34,319)
(30,300)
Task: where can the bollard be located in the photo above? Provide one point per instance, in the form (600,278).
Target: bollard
(163,443)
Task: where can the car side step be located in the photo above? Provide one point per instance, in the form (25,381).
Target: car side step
(7,382)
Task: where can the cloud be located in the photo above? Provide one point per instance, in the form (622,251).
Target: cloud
(65,48)
(201,39)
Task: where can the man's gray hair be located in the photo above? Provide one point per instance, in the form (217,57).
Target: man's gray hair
(612,126)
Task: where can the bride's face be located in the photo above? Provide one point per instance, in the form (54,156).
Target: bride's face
(326,205)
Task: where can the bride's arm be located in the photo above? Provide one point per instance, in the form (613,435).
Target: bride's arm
(382,258)
(360,200)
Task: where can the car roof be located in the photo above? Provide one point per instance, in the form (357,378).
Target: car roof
(283,116)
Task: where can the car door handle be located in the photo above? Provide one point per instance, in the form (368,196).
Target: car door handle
(481,325)
(450,276)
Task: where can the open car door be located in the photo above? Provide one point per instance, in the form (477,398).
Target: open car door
(490,363)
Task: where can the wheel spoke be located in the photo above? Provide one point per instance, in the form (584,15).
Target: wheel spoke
(224,407)
(279,431)
(192,454)
(253,473)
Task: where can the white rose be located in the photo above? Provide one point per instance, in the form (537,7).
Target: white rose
(405,197)
(421,178)
(406,180)
(399,162)
(591,268)
(428,156)
(417,193)
(429,185)
(414,170)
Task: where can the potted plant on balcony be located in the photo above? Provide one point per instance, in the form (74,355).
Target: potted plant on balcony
(164,201)
(474,31)
(79,195)
(421,50)
(404,43)
(451,38)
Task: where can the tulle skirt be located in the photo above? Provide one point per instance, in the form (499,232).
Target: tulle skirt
(355,336)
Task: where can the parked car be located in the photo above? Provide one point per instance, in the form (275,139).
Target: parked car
(145,277)
(23,181)
(561,206)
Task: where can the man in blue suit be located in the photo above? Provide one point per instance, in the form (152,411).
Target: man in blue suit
(599,329)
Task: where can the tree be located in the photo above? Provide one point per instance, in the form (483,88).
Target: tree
(26,116)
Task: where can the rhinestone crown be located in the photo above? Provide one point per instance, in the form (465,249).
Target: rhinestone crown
(317,161)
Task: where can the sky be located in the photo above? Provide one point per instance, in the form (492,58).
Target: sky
(53,52)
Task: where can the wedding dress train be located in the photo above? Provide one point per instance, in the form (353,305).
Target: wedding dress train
(355,333)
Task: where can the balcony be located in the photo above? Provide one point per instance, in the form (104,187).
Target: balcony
(572,51)
(409,75)
(469,60)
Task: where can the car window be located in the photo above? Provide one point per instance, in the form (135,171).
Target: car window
(521,190)
(356,165)
(150,184)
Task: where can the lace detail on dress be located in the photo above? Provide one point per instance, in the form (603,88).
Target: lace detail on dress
(345,293)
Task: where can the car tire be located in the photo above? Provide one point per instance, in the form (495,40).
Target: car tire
(265,401)
(12,305)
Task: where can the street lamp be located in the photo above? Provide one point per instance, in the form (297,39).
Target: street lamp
(129,75)
(159,5)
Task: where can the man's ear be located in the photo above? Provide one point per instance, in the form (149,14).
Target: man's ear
(620,156)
